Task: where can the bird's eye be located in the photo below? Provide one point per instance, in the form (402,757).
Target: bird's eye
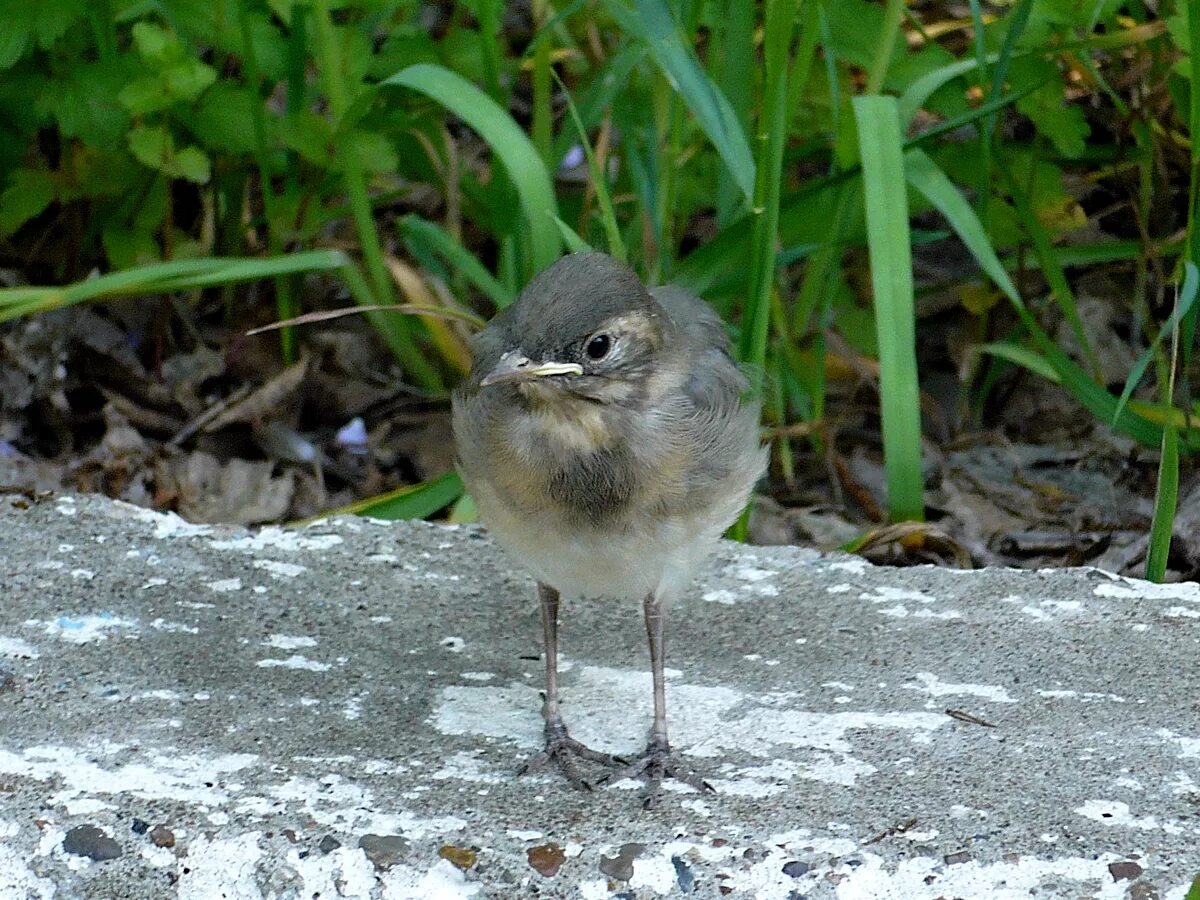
(597,348)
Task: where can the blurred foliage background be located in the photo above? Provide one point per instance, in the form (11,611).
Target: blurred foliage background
(935,228)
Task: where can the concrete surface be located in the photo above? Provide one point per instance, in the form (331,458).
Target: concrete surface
(338,711)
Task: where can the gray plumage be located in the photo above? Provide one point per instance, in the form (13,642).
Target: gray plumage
(611,474)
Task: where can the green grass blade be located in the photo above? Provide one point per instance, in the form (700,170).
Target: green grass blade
(525,167)
(654,25)
(571,238)
(886,201)
(737,65)
(410,502)
(444,244)
(780,17)
(1060,286)
(612,231)
(712,260)
(893,15)
(1187,296)
(1023,356)
(921,89)
(176,275)
(609,80)
(286,306)
(933,184)
(1166,498)
(924,175)
(401,334)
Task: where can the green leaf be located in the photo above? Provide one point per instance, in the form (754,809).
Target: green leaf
(155,147)
(1064,124)
(84,101)
(14,41)
(496,127)
(373,150)
(143,95)
(654,25)
(412,502)
(176,275)
(221,120)
(154,43)
(311,136)
(189,79)
(191,163)
(885,196)
(28,193)
(1166,500)
(1022,356)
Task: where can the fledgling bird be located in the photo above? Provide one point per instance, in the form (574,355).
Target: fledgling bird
(605,437)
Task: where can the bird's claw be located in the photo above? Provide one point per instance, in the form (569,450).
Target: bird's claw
(655,765)
(562,750)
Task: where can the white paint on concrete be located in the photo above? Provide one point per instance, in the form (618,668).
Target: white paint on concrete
(1134,589)
(277,569)
(442,882)
(609,710)
(156,775)
(221,867)
(346,872)
(1189,747)
(274,538)
(1117,814)
(84,629)
(295,661)
(167,525)
(289,641)
(15,648)
(935,687)
(886,593)
(17,880)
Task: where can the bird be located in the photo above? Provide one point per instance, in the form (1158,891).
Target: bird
(608,439)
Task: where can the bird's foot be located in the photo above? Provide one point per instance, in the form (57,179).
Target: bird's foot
(654,766)
(563,751)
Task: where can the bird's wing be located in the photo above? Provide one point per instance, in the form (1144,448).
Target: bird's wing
(715,382)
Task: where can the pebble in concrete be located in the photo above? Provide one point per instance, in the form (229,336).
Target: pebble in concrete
(90,841)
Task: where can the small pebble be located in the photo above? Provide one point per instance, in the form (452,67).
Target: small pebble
(162,836)
(1126,870)
(620,867)
(90,841)
(683,875)
(546,859)
(462,857)
(328,844)
(384,850)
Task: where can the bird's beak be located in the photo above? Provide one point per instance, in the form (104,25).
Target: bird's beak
(515,367)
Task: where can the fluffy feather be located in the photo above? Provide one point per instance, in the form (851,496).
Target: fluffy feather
(617,482)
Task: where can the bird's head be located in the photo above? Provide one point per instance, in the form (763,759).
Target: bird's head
(585,328)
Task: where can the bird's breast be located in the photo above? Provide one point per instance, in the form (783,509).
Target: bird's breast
(575,465)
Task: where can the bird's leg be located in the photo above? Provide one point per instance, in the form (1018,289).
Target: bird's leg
(561,749)
(657,764)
